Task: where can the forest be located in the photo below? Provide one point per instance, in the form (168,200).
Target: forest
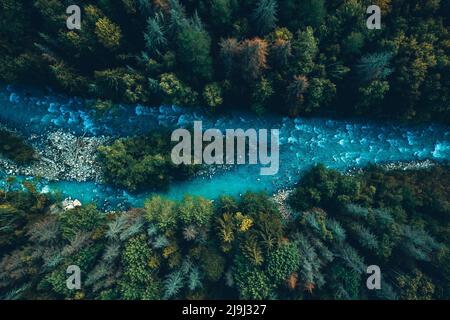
(294,57)
(243,248)
(287,58)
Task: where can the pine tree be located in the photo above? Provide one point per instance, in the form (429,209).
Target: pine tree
(190,233)
(112,251)
(100,271)
(296,91)
(134,226)
(337,230)
(116,227)
(152,230)
(155,38)
(12,268)
(194,281)
(383,217)
(80,240)
(265,16)
(252,251)
(144,6)
(365,237)
(325,254)
(304,50)
(387,291)
(356,211)
(173,284)
(193,45)
(312,12)
(16,293)
(222,12)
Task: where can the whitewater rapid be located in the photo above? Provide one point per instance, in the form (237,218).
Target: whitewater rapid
(337,144)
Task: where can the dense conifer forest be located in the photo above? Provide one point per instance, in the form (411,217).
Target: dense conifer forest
(296,57)
(230,248)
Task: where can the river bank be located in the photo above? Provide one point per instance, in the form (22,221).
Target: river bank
(67,135)
(59,156)
(282,195)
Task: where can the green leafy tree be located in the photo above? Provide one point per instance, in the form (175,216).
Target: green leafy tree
(15,148)
(120,84)
(261,96)
(354,43)
(372,96)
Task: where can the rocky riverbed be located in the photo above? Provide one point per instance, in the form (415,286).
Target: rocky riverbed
(61,156)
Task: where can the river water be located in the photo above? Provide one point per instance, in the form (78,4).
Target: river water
(303,142)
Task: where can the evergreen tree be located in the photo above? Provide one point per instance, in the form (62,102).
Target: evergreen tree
(265,16)
(155,38)
(193,50)
(374,66)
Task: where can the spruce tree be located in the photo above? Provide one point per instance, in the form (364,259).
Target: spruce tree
(265,16)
